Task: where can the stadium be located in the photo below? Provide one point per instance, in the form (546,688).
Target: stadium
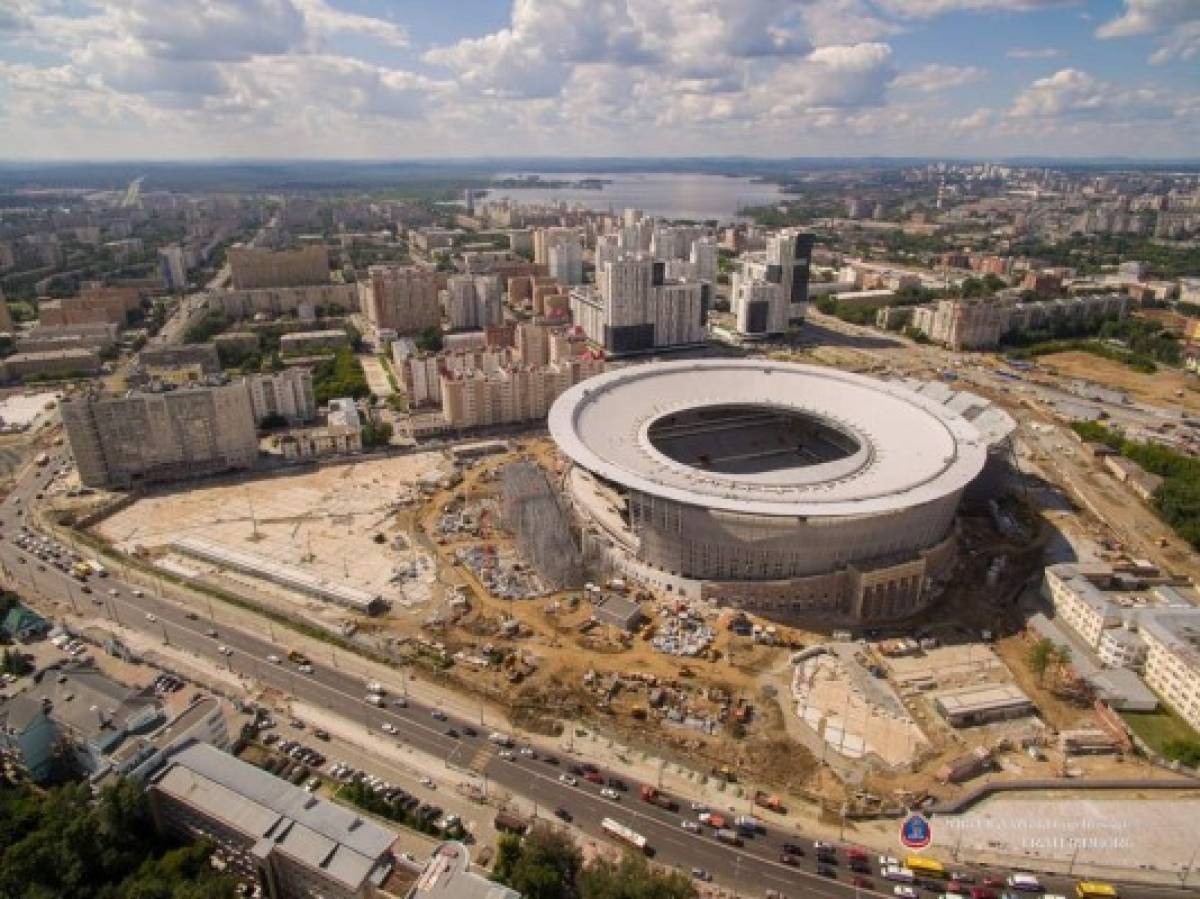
(786,489)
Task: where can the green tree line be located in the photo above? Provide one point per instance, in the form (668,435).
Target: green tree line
(61,843)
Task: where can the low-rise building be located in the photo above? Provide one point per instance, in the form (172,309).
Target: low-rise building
(77,362)
(315,443)
(302,342)
(294,844)
(980,704)
(448,875)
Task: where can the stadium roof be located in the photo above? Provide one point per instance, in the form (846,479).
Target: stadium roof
(908,449)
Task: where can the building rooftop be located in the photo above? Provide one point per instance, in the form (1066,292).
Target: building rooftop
(448,875)
(981,698)
(845,444)
(341,844)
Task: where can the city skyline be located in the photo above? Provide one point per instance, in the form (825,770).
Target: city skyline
(297,79)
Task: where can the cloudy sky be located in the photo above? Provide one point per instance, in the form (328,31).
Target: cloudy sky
(429,78)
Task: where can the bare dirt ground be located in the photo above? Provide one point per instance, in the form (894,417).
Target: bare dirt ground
(1158,389)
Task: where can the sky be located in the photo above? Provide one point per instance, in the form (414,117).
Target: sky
(396,79)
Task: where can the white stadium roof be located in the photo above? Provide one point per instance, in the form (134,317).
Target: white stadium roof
(912,449)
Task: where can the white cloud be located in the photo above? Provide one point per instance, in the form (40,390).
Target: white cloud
(1175,23)
(1034,53)
(1074,95)
(924,9)
(936,77)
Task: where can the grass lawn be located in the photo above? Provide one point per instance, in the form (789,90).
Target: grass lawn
(1159,728)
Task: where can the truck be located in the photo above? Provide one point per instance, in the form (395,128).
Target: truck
(624,834)
(767,801)
(748,824)
(656,797)
(501,739)
(713,819)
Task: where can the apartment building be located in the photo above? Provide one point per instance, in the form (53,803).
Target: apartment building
(422,372)
(565,262)
(512,394)
(400,298)
(149,436)
(95,304)
(288,393)
(967,324)
(1172,666)
(634,308)
(294,844)
(1155,632)
(304,300)
(65,363)
(473,302)
(759,307)
(253,267)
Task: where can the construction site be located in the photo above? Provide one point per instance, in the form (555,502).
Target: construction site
(479,577)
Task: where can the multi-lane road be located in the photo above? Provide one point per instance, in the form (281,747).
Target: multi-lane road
(753,867)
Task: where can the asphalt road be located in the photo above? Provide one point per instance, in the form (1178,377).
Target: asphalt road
(753,867)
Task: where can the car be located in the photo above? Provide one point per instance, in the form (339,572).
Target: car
(210,632)
(617,784)
(469,731)
(792,848)
(699,807)
(438,715)
(41,568)
(955,886)
(962,876)
(864,883)
(400,702)
(827,871)
(904,892)
(594,777)
(273,659)
(690,826)
(550,760)
(139,593)
(151,617)
(85,589)
(528,752)
(821,845)
(982,893)
(305,668)
(296,724)
(888,861)
(786,858)
(577,770)
(610,793)
(225,650)
(993,881)
(568,779)
(701,875)
(451,733)
(114,592)
(506,754)
(388,728)
(426,782)
(562,814)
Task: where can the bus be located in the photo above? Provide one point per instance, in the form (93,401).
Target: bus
(925,867)
(628,835)
(1095,889)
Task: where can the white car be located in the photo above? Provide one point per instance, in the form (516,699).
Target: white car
(610,793)
(224,650)
(273,659)
(690,826)
(138,593)
(904,892)
(151,617)
(400,702)
(506,754)
(426,782)
(305,668)
(887,861)
(568,780)
(388,727)
(527,751)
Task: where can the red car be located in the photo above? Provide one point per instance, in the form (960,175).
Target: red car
(863,882)
(993,881)
(955,886)
(982,893)
(594,777)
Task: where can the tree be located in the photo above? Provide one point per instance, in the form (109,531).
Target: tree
(547,866)
(1041,654)
(632,878)
(430,339)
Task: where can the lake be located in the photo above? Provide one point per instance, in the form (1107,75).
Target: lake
(663,194)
